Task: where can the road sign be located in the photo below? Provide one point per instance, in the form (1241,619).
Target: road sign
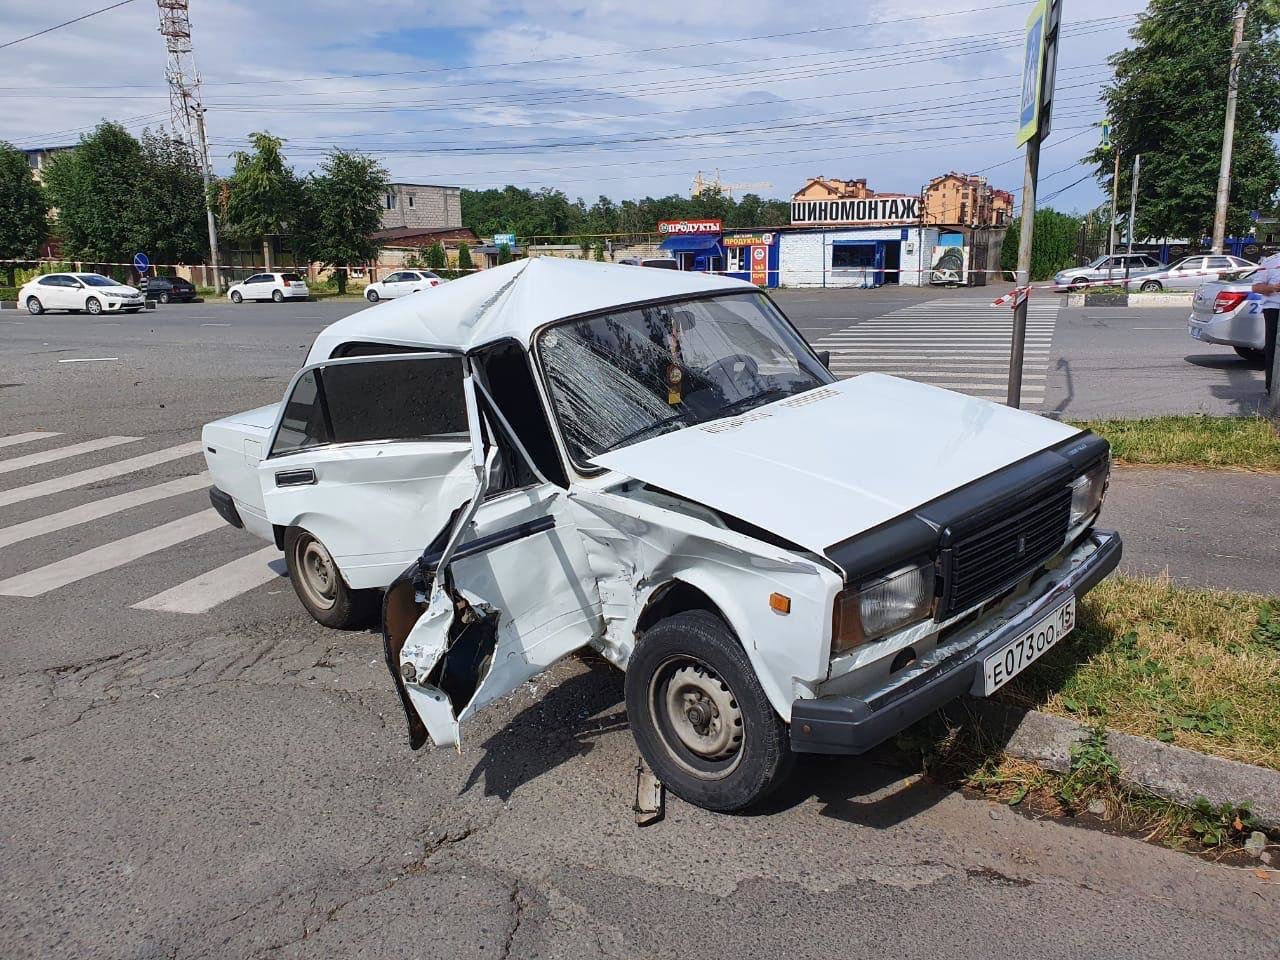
(1032,73)
(141,263)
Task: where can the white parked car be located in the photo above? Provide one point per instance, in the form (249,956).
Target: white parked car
(557,454)
(90,292)
(269,286)
(401,284)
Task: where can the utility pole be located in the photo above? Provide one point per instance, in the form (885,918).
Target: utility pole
(1228,133)
(1039,69)
(186,113)
(1111,231)
(1133,202)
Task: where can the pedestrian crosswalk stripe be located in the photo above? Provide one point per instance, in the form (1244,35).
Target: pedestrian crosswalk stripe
(83,477)
(201,594)
(61,453)
(959,346)
(110,555)
(97,509)
(26,437)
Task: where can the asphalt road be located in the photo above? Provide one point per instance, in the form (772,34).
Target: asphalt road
(236,782)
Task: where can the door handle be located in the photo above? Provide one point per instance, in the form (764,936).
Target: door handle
(295,478)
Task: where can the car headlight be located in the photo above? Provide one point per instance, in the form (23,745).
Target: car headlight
(880,606)
(1087,491)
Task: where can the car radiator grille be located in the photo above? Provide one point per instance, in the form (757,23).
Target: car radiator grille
(981,564)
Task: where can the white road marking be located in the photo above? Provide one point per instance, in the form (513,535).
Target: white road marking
(98,509)
(82,477)
(88,359)
(110,555)
(61,453)
(215,324)
(9,441)
(203,593)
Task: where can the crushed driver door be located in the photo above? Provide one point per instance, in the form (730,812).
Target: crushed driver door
(508,592)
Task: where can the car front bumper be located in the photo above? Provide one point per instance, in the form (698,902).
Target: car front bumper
(846,724)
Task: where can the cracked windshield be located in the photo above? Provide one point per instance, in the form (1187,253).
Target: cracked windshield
(623,377)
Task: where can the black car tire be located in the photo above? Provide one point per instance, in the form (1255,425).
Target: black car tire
(1251,354)
(164,297)
(692,662)
(1079,283)
(34,306)
(371,296)
(328,599)
(1151,286)
(93,306)
(277,296)
(236,296)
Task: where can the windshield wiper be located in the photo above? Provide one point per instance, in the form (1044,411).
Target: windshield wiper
(644,432)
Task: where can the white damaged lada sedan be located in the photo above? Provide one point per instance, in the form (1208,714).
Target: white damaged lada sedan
(556,454)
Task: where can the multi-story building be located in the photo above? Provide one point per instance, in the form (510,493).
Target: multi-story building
(422,206)
(966,200)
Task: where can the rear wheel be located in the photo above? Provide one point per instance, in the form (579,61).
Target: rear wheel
(700,716)
(319,584)
(164,298)
(34,306)
(1150,286)
(371,296)
(93,305)
(277,296)
(1252,354)
(236,296)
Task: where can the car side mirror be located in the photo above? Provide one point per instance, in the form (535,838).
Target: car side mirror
(824,357)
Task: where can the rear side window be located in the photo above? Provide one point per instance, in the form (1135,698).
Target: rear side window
(303,423)
(292,277)
(396,400)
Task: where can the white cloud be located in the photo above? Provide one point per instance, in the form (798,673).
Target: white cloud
(896,102)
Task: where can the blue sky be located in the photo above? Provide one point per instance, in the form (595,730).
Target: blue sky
(601,98)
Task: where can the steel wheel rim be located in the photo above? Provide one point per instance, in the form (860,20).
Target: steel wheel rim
(697,717)
(317,573)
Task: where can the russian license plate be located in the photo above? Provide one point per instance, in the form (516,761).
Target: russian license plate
(1018,654)
(1196,333)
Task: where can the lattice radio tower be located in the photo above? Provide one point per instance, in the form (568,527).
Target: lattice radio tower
(186,112)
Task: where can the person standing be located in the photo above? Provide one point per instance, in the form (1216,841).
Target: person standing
(1267,283)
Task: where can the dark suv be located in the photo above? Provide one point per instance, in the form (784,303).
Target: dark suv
(170,289)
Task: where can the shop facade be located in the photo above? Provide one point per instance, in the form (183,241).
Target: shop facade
(864,240)
(752,256)
(705,246)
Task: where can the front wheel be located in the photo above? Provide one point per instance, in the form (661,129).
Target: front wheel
(1150,286)
(237,296)
(277,296)
(371,296)
(700,717)
(1252,354)
(93,306)
(164,298)
(319,584)
(1079,283)
(34,306)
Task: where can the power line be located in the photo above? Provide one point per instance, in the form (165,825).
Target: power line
(65,23)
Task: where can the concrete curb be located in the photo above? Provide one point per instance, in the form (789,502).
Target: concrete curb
(1140,300)
(1174,773)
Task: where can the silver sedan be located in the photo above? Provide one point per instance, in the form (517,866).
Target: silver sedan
(1190,272)
(1223,312)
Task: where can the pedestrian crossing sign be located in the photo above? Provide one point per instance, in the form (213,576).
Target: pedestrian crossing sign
(1032,73)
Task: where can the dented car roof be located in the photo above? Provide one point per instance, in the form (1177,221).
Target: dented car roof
(511,302)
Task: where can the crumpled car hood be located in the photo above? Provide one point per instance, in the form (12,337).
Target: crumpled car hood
(827,464)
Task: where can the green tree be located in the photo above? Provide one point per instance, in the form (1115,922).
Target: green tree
(24,212)
(344,201)
(1168,103)
(95,189)
(1054,243)
(437,259)
(504,254)
(599,251)
(464,258)
(262,198)
(172,200)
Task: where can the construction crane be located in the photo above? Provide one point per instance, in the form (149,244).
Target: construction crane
(701,183)
(186,112)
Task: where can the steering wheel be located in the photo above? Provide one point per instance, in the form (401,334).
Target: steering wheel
(724,371)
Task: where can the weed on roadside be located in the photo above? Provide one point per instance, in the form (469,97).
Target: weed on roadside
(1198,440)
